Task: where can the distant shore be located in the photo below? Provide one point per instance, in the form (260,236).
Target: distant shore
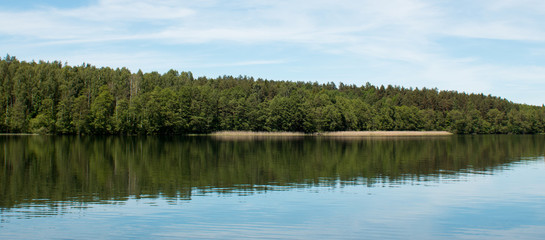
(339,134)
(17,134)
(343,134)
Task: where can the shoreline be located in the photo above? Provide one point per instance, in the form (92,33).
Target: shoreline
(19,134)
(342,134)
(337,134)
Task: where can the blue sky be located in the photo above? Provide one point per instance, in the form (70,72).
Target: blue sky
(493,47)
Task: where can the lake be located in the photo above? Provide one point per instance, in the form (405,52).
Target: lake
(199,187)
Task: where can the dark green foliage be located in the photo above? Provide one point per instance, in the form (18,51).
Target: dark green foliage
(102,111)
(50,98)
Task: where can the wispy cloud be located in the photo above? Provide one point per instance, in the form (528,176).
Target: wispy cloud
(243,63)
(401,37)
(126,11)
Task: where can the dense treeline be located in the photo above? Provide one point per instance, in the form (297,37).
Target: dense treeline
(49,97)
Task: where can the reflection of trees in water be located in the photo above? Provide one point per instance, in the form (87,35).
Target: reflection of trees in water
(94,168)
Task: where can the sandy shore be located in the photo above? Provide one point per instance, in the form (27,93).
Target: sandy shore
(342,134)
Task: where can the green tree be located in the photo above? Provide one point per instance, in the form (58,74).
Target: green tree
(496,118)
(44,122)
(102,110)
(80,115)
(48,97)
(457,121)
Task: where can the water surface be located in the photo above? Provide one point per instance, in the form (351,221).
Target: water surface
(298,188)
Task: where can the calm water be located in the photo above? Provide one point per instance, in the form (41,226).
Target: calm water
(466,187)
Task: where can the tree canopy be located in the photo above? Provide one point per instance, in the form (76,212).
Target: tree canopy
(54,98)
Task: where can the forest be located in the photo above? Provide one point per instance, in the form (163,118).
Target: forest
(55,98)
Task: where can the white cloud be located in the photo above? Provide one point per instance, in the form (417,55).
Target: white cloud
(289,21)
(497,30)
(108,20)
(528,6)
(400,35)
(124,10)
(323,22)
(243,63)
